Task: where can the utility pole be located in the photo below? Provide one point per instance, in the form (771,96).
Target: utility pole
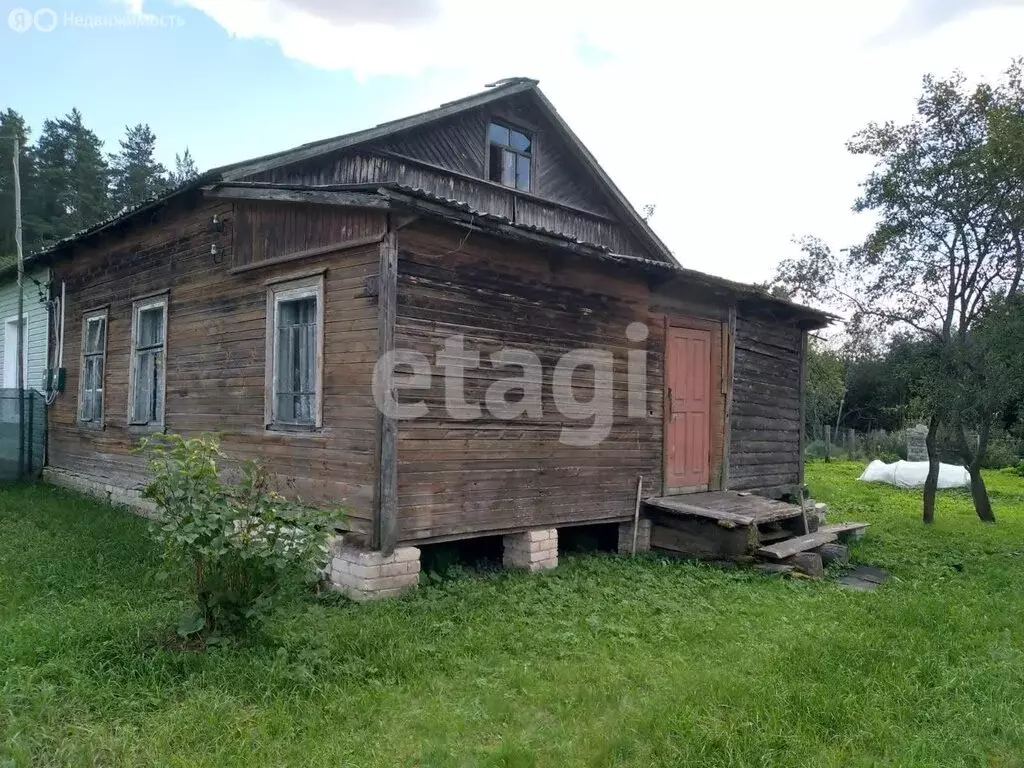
(21,310)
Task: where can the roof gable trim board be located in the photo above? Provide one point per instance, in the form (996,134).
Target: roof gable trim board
(644,229)
(487,182)
(347,198)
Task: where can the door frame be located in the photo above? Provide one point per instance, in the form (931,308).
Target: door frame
(11,360)
(721,383)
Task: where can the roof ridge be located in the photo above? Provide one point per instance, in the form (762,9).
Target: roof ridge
(389,127)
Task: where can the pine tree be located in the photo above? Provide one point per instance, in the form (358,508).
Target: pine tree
(89,174)
(185,169)
(12,125)
(53,155)
(135,174)
(72,177)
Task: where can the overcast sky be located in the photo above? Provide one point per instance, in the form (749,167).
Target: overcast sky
(730,117)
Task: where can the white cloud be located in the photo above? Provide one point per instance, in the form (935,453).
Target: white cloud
(399,13)
(732,116)
(397,37)
(920,17)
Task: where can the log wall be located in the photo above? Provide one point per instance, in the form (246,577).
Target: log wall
(470,477)
(483,197)
(764,451)
(216,350)
(456,477)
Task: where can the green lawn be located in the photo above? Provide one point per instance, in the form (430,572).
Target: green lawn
(607,661)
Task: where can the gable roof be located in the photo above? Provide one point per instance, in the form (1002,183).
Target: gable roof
(502,89)
(496,91)
(314,149)
(239,173)
(236,174)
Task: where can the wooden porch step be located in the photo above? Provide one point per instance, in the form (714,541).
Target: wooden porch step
(735,507)
(768,537)
(845,530)
(790,547)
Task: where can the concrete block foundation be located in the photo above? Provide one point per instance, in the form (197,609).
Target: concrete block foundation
(535,550)
(368,575)
(98,488)
(643,537)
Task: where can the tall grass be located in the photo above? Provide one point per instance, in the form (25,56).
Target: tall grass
(606,661)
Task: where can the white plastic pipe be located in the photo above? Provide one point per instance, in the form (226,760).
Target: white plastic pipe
(60,339)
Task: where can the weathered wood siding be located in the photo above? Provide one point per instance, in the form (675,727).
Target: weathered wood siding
(765,443)
(459,144)
(456,477)
(367,168)
(470,477)
(216,349)
(560,175)
(271,230)
(449,159)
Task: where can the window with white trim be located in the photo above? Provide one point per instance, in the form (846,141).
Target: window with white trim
(147,373)
(295,323)
(94,359)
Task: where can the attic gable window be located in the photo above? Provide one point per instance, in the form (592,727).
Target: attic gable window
(511,156)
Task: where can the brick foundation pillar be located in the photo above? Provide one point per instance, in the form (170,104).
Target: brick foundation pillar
(367,575)
(643,537)
(533,550)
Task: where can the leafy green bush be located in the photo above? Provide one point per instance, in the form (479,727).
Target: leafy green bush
(1002,451)
(887,446)
(239,543)
(818,450)
(814,450)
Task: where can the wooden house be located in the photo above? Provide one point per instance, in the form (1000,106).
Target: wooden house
(256,301)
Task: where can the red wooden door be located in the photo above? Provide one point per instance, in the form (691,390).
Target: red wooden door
(688,409)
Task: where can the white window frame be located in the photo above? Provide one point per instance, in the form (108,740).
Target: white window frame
(88,317)
(138,307)
(290,289)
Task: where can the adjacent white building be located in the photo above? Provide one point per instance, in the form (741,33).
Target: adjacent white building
(37,329)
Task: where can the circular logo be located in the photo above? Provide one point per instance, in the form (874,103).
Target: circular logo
(45,19)
(637,332)
(20,20)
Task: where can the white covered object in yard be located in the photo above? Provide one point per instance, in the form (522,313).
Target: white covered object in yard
(911,474)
